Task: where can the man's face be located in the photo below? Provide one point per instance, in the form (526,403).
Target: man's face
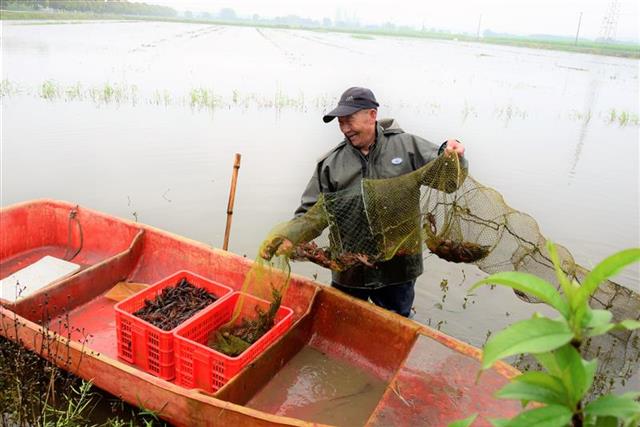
(359,128)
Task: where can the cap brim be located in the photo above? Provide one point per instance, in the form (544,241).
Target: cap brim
(340,111)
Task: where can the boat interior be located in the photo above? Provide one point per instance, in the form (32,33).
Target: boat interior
(331,333)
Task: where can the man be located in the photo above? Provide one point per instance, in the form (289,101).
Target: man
(371,149)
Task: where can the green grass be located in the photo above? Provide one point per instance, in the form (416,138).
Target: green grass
(7,88)
(49,90)
(627,50)
(19,15)
(205,98)
(623,118)
(362,36)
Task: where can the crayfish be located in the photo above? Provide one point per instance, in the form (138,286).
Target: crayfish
(311,252)
(451,250)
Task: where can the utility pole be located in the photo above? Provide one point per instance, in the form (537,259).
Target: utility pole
(578,30)
(478,31)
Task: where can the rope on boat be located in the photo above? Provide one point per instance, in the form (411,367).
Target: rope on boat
(73,216)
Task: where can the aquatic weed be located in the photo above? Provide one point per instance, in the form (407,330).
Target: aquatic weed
(49,90)
(73,92)
(161,98)
(508,112)
(282,100)
(623,118)
(580,116)
(7,88)
(468,110)
(204,98)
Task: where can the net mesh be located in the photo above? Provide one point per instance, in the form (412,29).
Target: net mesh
(438,207)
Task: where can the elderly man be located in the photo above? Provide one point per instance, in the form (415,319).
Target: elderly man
(372,149)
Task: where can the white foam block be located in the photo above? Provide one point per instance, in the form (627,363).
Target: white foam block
(36,276)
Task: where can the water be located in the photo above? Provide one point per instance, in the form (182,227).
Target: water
(315,387)
(141,120)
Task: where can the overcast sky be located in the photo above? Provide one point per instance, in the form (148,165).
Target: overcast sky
(558,17)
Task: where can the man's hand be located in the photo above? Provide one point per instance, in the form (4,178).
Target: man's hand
(454,146)
(278,246)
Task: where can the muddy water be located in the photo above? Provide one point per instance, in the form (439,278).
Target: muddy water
(141,120)
(315,387)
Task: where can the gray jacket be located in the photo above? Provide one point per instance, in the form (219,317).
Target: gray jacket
(394,153)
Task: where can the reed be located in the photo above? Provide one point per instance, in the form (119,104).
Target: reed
(204,98)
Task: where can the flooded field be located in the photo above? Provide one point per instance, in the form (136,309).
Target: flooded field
(141,120)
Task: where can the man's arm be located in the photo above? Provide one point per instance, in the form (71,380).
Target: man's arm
(310,194)
(307,224)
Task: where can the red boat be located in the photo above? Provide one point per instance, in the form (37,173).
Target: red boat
(427,377)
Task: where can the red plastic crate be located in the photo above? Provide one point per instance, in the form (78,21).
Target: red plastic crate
(145,345)
(198,366)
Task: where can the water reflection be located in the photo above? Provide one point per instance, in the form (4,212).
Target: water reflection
(590,99)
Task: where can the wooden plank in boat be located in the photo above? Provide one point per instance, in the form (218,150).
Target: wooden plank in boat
(34,277)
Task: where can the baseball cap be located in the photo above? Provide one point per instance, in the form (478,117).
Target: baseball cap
(352,100)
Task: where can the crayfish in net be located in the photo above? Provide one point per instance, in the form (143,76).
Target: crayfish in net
(233,340)
(451,250)
(309,251)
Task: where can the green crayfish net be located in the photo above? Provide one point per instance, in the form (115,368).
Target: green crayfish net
(439,208)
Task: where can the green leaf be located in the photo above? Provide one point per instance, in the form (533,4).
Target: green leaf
(596,318)
(463,423)
(628,324)
(547,416)
(566,365)
(625,324)
(622,407)
(548,362)
(597,322)
(601,330)
(606,422)
(542,379)
(589,372)
(607,268)
(499,422)
(529,284)
(530,392)
(564,281)
(575,373)
(536,335)
(633,421)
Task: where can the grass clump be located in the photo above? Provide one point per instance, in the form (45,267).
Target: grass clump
(204,98)
(622,118)
(7,88)
(362,37)
(49,90)
(114,93)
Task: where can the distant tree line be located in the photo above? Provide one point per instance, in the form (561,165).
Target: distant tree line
(294,21)
(120,7)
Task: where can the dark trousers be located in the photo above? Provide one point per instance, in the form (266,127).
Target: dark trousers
(397,298)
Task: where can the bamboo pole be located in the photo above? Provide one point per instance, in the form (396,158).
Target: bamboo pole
(232,197)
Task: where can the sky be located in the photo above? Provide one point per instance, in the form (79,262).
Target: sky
(558,17)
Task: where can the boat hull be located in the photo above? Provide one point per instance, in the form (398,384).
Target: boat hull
(429,376)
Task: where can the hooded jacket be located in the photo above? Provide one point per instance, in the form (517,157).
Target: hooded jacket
(394,153)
